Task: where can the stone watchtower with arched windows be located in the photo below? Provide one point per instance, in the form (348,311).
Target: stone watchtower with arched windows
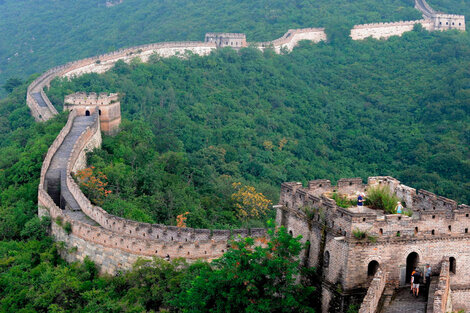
(108,106)
(359,251)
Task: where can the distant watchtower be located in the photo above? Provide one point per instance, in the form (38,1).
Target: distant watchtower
(108,106)
(234,40)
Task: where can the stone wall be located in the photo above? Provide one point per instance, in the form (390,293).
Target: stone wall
(291,39)
(374,293)
(386,30)
(461,299)
(103,236)
(442,300)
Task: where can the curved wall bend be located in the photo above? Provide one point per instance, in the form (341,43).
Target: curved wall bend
(112,242)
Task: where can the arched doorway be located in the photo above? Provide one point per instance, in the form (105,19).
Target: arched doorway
(372,268)
(453,265)
(411,263)
(87,113)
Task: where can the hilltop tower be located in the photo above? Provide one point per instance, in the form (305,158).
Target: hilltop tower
(108,106)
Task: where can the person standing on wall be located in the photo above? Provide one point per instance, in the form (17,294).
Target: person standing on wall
(416,282)
(360,200)
(427,275)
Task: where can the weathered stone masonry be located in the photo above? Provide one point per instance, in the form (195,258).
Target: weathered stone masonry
(437,231)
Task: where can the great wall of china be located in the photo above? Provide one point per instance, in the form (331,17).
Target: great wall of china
(115,243)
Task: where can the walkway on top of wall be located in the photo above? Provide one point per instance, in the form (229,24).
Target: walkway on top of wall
(424,8)
(405,302)
(55,185)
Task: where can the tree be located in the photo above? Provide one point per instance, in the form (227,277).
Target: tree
(11,84)
(253,276)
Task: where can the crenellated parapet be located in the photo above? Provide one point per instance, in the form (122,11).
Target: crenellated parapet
(113,243)
(433,21)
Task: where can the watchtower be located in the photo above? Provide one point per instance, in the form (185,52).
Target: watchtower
(234,40)
(108,106)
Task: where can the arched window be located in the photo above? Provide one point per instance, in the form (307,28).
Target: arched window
(326,260)
(372,268)
(87,113)
(453,265)
(99,112)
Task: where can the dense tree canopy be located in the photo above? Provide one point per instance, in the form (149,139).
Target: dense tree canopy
(193,127)
(37,35)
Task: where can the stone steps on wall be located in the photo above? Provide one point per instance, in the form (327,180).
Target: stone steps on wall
(59,163)
(405,302)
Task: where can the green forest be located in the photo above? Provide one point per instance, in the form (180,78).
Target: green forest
(194,129)
(31,43)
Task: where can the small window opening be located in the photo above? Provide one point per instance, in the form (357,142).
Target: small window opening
(434,216)
(381,231)
(290,232)
(453,265)
(416,230)
(450,227)
(326,259)
(432,232)
(466,230)
(363,219)
(99,112)
(398,233)
(87,113)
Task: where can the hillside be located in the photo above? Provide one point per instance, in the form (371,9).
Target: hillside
(396,107)
(78,29)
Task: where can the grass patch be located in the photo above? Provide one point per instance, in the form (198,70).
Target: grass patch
(342,201)
(380,198)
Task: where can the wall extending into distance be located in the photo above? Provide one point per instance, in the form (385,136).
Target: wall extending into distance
(115,243)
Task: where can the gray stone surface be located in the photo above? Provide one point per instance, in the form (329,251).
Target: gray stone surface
(59,163)
(404,302)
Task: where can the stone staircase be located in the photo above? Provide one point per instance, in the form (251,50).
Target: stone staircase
(405,302)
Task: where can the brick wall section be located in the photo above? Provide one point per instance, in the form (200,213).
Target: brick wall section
(441,296)
(121,240)
(461,299)
(386,30)
(438,229)
(292,37)
(372,298)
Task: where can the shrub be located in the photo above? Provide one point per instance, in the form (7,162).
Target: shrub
(359,234)
(36,228)
(342,201)
(68,228)
(380,198)
(408,213)
(59,220)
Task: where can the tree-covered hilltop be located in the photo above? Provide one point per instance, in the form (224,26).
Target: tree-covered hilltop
(37,35)
(194,127)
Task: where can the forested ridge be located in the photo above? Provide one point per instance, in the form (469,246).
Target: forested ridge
(191,128)
(37,35)
(194,127)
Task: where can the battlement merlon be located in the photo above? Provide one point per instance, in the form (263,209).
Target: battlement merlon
(433,216)
(92,98)
(234,40)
